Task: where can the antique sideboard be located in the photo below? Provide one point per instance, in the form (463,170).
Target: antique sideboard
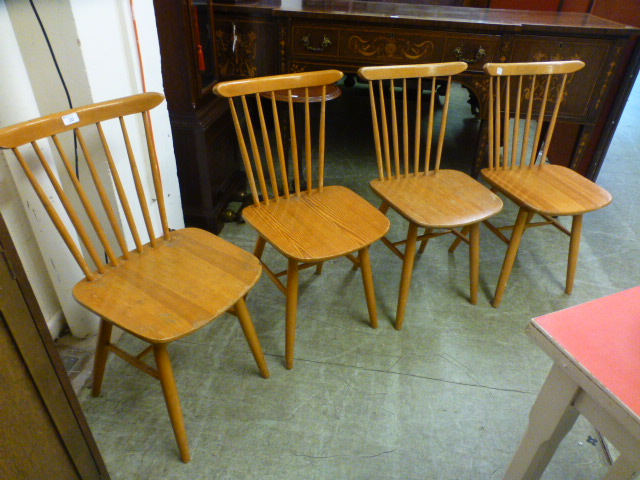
(265,37)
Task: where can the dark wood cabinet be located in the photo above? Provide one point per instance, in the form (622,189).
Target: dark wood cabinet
(265,37)
(204,141)
(43,433)
(346,35)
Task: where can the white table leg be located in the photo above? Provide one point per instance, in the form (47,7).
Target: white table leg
(551,417)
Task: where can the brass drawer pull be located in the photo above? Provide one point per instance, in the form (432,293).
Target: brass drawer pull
(480,54)
(323,45)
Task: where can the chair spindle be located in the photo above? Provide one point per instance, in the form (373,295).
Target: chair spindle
(84,200)
(418,129)
(267,147)
(138,184)
(155,174)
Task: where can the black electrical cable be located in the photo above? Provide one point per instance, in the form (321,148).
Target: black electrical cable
(55,62)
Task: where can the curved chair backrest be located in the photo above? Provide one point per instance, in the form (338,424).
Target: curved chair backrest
(386,83)
(86,127)
(531,92)
(246,98)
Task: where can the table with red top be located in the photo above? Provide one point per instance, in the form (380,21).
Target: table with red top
(595,348)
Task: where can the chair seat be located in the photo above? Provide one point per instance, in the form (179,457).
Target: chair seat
(550,189)
(174,288)
(446,199)
(319,226)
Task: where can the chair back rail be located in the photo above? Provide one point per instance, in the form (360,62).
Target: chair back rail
(253,128)
(83,122)
(396,154)
(523,91)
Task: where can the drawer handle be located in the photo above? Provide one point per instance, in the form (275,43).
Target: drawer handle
(326,43)
(480,54)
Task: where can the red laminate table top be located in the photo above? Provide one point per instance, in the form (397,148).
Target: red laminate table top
(603,336)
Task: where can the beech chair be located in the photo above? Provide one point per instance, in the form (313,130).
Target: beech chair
(171,283)
(595,349)
(308,226)
(531,93)
(441,201)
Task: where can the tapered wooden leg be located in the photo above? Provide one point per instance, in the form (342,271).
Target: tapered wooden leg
(172,400)
(510,256)
(474,261)
(259,248)
(319,268)
(292,311)
(367,279)
(100,360)
(252,338)
(551,417)
(407,271)
(621,469)
(423,243)
(458,240)
(574,249)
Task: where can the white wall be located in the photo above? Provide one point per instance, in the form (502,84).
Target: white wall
(95,44)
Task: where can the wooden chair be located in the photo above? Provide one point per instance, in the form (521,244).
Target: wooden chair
(595,348)
(159,291)
(306,226)
(517,157)
(410,178)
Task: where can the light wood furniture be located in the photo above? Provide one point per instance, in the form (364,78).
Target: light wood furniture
(409,147)
(299,95)
(170,284)
(595,349)
(532,93)
(347,35)
(43,432)
(307,226)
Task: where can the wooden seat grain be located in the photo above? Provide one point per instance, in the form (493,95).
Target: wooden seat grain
(521,127)
(307,225)
(173,289)
(554,189)
(162,284)
(317,227)
(409,152)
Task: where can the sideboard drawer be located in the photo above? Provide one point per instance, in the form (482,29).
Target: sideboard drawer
(315,41)
(375,46)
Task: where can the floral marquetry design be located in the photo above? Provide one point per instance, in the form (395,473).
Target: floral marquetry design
(396,48)
(236,53)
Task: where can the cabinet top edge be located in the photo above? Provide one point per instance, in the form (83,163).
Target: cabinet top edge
(433,15)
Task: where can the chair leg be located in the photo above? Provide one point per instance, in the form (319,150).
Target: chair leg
(551,417)
(510,256)
(574,249)
(292,310)
(252,337)
(458,240)
(259,248)
(170,391)
(102,352)
(423,243)
(474,261)
(367,279)
(407,271)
